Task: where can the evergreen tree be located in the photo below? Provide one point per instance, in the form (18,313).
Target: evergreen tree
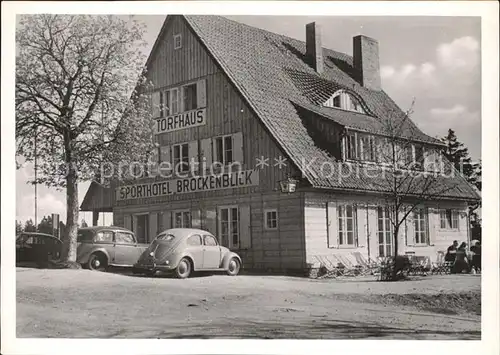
(458,154)
(19,227)
(45,226)
(29,226)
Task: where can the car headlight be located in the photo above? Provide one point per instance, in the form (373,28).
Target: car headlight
(167,262)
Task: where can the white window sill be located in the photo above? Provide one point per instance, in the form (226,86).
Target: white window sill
(347,247)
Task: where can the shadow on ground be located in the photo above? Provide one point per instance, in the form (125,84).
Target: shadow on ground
(317,329)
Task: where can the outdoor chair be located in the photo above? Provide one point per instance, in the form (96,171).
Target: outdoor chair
(441,266)
(419,265)
(367,267)
(350,269)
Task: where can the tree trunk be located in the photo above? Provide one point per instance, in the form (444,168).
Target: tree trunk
(70,238)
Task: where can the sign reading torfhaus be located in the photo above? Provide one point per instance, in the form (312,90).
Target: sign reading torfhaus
(180,121)
(186,185)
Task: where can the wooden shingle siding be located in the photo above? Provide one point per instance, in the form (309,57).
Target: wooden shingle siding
(227,113)
(278,249)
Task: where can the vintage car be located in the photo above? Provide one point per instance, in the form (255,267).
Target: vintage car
(184,250)
(37,247)
(101,247)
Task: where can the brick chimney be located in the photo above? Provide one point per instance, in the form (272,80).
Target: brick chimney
(314,50)
(366,62)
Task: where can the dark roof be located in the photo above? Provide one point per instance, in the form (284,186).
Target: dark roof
(271,73)
(98,198)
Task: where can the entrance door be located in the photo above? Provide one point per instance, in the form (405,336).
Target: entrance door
(384,232)
(229,227)
(142,228)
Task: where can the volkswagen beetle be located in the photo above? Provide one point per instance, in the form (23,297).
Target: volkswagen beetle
(183,250)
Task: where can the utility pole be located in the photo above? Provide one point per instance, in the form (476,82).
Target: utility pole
(36,183)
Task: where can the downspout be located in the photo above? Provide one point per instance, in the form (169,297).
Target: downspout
(368,233)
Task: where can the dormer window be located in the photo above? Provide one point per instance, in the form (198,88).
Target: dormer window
(345,101)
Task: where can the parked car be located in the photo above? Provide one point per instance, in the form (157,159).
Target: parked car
(183,250)
(37,247)
(101,247)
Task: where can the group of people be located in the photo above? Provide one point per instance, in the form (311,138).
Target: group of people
(463,260)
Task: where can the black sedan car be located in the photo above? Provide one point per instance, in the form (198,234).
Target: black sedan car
(37,247)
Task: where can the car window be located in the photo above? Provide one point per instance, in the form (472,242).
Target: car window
(85,236)
(194,240)
(104,237)
(209,240)
(29,240)
(124,238)
(165,237)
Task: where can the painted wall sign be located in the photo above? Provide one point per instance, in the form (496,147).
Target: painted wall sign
(185,185)
(180,121)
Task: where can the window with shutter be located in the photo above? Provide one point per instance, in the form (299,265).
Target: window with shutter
(347,228)
(332,232)
(181,157)
(206,153)
(174,101)
(189,97)
(156,104)
(201,95)
(193,156)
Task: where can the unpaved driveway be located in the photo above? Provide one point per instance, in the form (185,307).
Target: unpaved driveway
(81,303)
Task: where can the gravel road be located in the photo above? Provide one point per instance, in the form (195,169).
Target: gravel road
(85,304)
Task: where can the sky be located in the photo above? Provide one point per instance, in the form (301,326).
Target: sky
(434,60)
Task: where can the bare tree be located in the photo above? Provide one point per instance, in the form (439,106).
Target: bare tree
(76,103)
(411,172)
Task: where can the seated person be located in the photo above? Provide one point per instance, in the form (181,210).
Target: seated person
(451,252)
(461,263)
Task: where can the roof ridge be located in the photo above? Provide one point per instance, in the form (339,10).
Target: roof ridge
(270,32)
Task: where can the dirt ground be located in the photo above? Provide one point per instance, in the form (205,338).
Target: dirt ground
(85,304)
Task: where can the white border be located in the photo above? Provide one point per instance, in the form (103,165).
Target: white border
(490,118)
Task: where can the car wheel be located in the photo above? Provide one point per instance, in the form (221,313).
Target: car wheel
(233,268)
(98,262)
(183,270)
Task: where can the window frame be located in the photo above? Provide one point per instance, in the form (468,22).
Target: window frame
(230,235)
(178,41)
(205,236)
(215,155)
(449,214)
(268,211)
(194,245)
(195,101)
(123,232)
(184,167)
(422,215)
(387,230)
(183,213)
(104,242)
(342,223)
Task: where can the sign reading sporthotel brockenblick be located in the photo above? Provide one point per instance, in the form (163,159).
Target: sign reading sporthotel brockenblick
(180,121)
(191,184)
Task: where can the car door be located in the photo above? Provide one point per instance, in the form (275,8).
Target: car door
(126,249)
(194,247)
(211,252)
(105,239)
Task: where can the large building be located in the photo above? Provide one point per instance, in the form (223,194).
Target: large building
(302,126)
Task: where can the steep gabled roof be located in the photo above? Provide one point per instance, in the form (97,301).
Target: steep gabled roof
(271,73)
